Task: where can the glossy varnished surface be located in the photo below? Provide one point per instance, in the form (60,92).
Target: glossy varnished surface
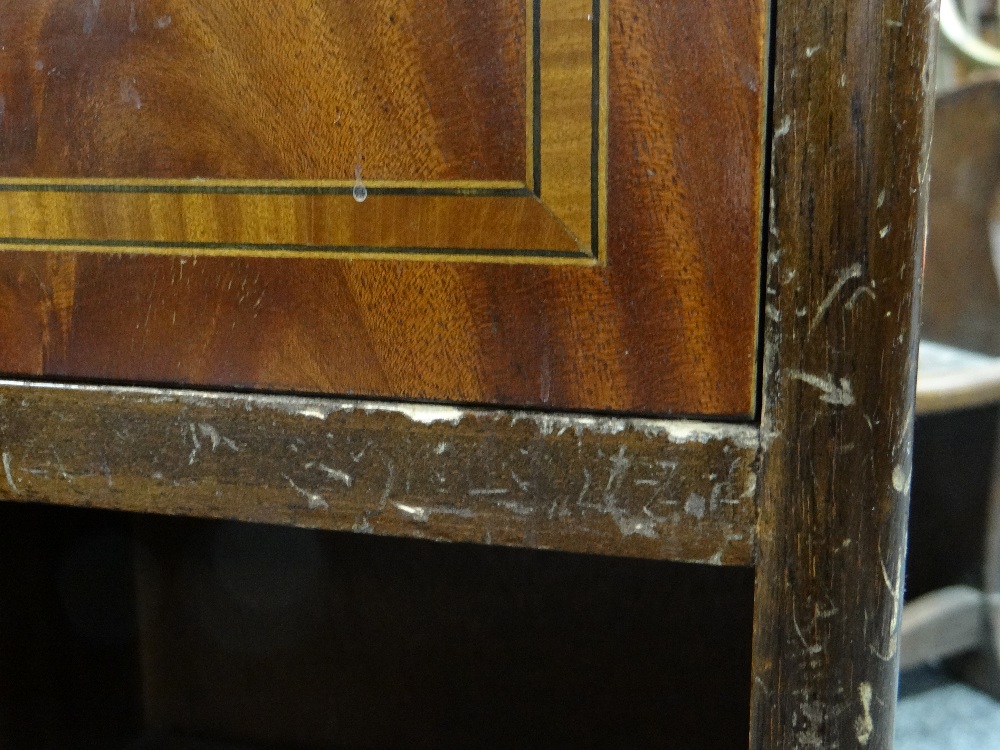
(197,88)
(663,321)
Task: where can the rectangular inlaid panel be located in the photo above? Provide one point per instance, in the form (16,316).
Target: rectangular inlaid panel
(294,117)
(523,202)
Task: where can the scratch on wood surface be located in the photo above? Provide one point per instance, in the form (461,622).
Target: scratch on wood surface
(854,271)
(863,725)
(838,395)
(316,501)
(9,474)
(618,491)
(335,474)
(210,433)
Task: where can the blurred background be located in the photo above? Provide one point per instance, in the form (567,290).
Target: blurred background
(950,683)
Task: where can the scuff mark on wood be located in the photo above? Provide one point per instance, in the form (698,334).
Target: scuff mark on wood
(617,489)
(9,474)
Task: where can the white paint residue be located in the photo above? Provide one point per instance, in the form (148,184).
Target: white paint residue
(163,22)
(838,395)
(9,473)
(363,527)
(695,506)
(884,231)
(683,431)
(313,413)
(814,715)
(422,413)
(479,492)
(676,431)
(425,414)
(416,513)
(810,51)
(637,526)
(784,128)
(863,725)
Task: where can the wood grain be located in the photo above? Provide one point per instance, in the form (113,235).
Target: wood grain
(665,322)
(584,484)
(310,90)
(852,116)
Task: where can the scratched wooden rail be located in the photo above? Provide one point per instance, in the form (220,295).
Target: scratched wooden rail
(659,489)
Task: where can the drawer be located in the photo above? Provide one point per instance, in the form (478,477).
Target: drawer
(551,203)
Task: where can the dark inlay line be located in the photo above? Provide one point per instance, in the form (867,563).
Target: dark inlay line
(536,72)
(57,187)
(285,247)
(595,130)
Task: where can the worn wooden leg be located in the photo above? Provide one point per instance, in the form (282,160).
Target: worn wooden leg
(851,127)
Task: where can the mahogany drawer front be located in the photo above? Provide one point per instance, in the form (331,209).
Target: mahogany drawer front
(551,203)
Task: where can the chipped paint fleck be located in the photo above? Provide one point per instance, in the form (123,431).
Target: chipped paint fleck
(415,512)
(696,506)
(863,725)
(636,525)
(784,128)
(677,431)
(814,717)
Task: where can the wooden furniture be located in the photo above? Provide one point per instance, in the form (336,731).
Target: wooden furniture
(611,277)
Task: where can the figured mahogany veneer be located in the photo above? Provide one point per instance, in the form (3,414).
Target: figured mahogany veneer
(544,203)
